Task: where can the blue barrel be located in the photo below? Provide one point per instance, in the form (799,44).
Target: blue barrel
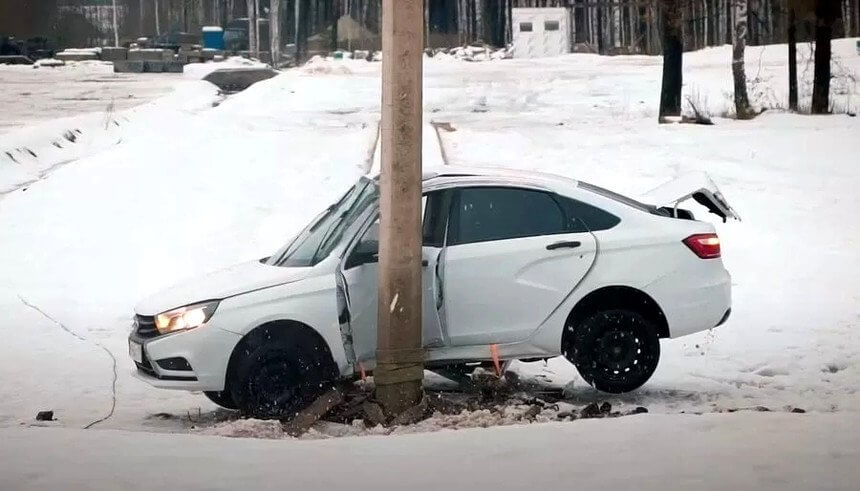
(213,37)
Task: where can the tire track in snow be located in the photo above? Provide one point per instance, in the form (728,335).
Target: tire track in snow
(81,338)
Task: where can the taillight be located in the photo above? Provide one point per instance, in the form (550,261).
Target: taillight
(706,246)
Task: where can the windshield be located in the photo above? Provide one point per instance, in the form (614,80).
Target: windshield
(325,232)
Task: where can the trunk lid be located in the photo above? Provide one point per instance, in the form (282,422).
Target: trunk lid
(696,185)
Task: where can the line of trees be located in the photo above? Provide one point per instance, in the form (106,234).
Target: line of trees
(829,18)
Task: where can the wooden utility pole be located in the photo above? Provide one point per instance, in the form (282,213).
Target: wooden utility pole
(157,24)
(399,356)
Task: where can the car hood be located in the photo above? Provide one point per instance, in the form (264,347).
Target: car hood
(696,185)
(218,285)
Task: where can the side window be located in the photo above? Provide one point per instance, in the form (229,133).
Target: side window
(526,27)
(366,250)
(550,25)
(587,218)
(493,213)
(436,209)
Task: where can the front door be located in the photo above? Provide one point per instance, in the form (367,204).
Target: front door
(512,256)
(360,278)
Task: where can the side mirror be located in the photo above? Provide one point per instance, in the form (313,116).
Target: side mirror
(365,252)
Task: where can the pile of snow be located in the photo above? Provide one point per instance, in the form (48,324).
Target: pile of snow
(472,53)
(81,51)
(325,66)
(198,71)
(48,62)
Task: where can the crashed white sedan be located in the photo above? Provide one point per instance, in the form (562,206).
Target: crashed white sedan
(517,265)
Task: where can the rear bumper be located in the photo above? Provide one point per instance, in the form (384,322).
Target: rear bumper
(206,350)
(694,301)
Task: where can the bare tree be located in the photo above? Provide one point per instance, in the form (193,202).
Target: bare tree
(115,26)
(252,28)
(739,41)
(275,31)
(792,57)
(826,13)
(157,23)
(673,60)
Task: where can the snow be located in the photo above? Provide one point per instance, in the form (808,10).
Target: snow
(647,452)
(193,181)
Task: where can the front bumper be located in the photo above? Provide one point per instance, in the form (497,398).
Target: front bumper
(195,360)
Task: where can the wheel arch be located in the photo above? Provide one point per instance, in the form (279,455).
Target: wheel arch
(616,297)
(304,336)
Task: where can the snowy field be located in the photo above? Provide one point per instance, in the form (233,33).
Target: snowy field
(31,95)
(193,181)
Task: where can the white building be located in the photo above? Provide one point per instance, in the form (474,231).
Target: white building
(540,32)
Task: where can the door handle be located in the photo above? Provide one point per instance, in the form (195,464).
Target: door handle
(567,244)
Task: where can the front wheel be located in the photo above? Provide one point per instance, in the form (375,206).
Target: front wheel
(615,351)
(276,380)
(221,398)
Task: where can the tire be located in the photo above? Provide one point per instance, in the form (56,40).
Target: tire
(277,379)
(221,398)
(615,351)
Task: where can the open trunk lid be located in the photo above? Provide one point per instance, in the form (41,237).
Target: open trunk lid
(696,185)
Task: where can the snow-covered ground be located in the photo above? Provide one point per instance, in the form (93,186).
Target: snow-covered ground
(712,452)
(192,182)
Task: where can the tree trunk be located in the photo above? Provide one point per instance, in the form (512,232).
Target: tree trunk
(275,31)
(600,44)
(115,26)
(335,17)
(792,60)
(826,12)
(258,14)
(742,103)
(252,28)
(673,59)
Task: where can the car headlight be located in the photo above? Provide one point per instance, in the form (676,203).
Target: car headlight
(187,317)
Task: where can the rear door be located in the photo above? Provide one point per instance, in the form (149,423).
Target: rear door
(512,255)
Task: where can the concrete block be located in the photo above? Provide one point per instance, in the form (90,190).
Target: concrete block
(149,54)
(210,54)
(76,56)
(128,66)
(114,54)
(174,67)
(153,66)
(15,60)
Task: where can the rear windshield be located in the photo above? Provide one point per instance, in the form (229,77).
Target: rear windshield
(616,197)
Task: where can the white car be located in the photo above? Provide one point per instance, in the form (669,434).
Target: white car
(523,265)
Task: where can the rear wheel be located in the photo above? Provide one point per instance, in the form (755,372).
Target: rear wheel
(221,398)
(614,350)
(277,380)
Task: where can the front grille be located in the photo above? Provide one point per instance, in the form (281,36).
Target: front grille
(145,326)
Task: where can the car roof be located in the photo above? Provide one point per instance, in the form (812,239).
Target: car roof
(491,172)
